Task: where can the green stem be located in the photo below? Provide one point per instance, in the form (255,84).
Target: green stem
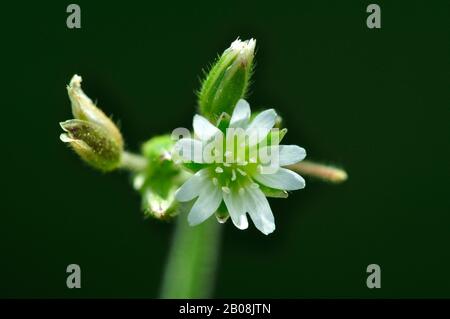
(133,162)
(191,267)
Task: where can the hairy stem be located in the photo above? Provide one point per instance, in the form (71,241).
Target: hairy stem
(133,162)
(321,171)
(191,267)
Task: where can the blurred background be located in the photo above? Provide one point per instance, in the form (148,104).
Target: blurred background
(375,102)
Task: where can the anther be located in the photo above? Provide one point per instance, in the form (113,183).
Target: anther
(219,170)
(225,189)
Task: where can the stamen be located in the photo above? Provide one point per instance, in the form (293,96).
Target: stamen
(233,175)
(166,156)
(241,172)
(254,185)
(226,164)
(219,170)
(215,181)
(226,189)
(139,181)
(241,162)
(252,160)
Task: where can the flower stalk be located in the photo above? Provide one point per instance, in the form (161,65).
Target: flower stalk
(323,172)
(133,162)
(193,259)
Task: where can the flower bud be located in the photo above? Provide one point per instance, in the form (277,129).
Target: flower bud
(92,134)
(92,143)
(158,206)
(228,80)
(159,181)
(84,109)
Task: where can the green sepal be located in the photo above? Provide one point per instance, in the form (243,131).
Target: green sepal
(159,181)
(227,81)
(93,143)
(272,192)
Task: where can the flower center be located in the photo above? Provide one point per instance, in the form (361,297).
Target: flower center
(233,177)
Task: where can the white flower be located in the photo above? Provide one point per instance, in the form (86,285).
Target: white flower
(241,181)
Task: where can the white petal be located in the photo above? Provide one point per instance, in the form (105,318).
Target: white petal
(189,149)
(203,128)
(192,187)
(259,210)
(207,203)
(241,114)
(235,206)
(291,154)
(261,125)
(283,178)
(287,154)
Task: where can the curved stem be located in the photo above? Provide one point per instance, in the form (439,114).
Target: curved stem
(191,267)
(133,162)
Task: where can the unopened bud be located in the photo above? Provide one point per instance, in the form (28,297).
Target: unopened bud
(84,109)
(228,79)
(159,181)
(92,134)
(92,143)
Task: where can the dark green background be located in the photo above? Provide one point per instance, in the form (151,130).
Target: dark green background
(374,101)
